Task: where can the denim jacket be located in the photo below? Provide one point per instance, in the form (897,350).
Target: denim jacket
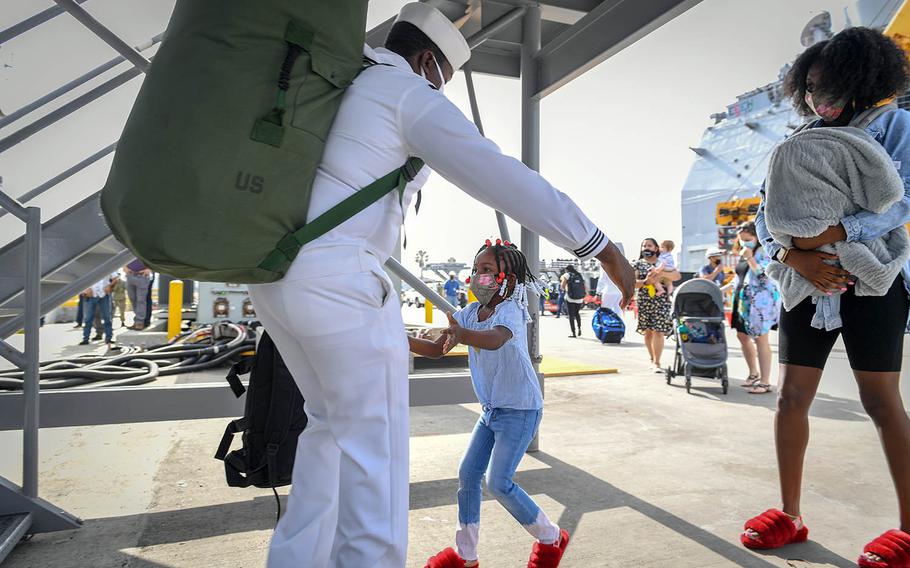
(892,131)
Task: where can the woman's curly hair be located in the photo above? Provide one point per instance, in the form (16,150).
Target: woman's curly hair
(858,64)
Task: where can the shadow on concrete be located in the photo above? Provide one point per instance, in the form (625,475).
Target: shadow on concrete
(824,406)
(580,492)
(577,490)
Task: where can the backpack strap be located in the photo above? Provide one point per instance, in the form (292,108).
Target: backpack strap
(233,427)
(235,470)
(242,367)
(286,250)
(867,117)
(281,409)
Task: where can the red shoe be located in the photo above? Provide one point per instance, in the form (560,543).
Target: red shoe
(549,555)
(448,558)
(893,548)
(775,529)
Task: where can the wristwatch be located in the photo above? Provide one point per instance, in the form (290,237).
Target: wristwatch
(781,255)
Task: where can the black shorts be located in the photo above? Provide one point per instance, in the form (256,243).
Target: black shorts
(873,330)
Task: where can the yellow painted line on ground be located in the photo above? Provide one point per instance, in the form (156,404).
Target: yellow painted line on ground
(556,367)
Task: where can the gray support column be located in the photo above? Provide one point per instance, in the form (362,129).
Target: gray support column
(32,328)
(530,155)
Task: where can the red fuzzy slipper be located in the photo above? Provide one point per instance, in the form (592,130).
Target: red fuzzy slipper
(775,529)
(448,558)
(893,548)
(549,555)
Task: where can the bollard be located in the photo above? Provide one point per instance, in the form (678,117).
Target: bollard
(428,309)
(174,309)
(471,296)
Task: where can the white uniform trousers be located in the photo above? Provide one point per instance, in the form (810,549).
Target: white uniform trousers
(337,324)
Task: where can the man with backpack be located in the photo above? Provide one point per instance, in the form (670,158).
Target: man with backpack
(575,298)
(349,504)
(314,261)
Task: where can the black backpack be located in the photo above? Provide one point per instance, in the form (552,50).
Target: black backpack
(273,418)
(576,288)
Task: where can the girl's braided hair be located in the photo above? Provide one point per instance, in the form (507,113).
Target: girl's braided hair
(509,260)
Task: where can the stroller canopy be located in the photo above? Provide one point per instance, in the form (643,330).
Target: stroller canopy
(698,298)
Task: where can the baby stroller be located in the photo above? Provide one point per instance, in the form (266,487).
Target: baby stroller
(701,346)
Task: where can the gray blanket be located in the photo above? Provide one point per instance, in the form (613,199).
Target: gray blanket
(816,178)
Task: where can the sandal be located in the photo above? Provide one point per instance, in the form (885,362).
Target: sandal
(760,388)
(751,381)
(890,550)
(549,555)
(773,529)
(448,558)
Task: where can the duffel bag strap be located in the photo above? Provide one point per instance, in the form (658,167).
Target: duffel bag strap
(286,250)
(270,128)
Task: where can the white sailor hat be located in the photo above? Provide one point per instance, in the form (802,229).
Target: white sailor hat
(439,29)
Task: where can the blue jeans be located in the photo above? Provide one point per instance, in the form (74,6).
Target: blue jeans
(500,439)
(453,300)
(103,304)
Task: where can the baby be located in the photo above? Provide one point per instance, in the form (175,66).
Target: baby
(665,263)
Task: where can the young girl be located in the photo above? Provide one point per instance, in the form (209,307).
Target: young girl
(506,386)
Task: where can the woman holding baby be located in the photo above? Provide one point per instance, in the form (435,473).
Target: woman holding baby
(654,317)
(832,219)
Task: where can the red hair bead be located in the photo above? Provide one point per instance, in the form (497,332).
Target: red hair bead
(498,241)
(467,280)
(488,242)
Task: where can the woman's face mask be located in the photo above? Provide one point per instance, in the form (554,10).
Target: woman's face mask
(484,287)
(824,109)
(748,244)
(648,253)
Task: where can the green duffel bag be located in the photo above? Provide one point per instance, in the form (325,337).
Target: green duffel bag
(213,173)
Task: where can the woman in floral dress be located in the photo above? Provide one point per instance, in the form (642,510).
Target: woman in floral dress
(654,320)
(756,309)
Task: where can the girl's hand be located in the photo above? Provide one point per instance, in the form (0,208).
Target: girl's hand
(454,334)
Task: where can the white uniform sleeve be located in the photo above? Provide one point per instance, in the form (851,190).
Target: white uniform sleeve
(437,132)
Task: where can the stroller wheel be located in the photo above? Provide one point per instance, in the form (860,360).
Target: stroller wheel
(726,386)
(669,376)
(688,381)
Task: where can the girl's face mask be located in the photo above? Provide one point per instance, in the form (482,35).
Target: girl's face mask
(824,109)
(484,287)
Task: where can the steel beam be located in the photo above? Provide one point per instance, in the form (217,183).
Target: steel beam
(56,93)
(127,405)
(32,360)
(607,29)
(475,111)
(65,174)
(46,517)
(495,27)
(31,23)
(67,109)
(420,286)
(106,35)
(11,354)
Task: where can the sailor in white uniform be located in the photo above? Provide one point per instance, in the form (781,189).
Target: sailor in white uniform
(335,318)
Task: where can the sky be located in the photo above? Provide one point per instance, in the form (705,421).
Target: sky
(616,139)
